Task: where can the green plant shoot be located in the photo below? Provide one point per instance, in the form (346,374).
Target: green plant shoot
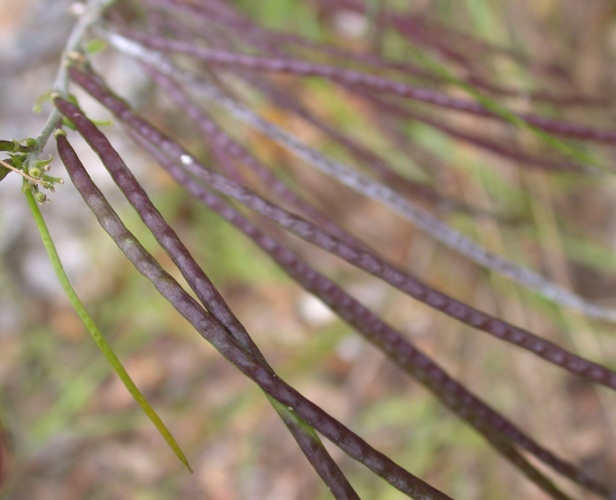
(90,325)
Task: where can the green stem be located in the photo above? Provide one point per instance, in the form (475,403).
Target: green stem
(96,334)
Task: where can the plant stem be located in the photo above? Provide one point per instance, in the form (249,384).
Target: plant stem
(93,10)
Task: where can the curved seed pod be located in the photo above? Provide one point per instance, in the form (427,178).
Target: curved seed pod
(349,177)
(451,393)
(367,80)
(203,287)
(355,255)
(213,331)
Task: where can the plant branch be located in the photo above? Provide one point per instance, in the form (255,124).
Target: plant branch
(92,12)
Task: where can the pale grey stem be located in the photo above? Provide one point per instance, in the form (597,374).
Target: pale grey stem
(89,13)
(425,221)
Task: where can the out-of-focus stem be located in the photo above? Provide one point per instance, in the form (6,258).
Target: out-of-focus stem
(93,10)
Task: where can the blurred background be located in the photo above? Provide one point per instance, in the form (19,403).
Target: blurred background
(69,429)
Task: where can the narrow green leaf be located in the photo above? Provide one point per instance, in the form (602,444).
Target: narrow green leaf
(44,163)
(7,145)
(96,334)
(42,99)
(22,146)
(102,123)
(72,98)
(27,145)
(94,46)
(67,123)
(3,172)
(16,160)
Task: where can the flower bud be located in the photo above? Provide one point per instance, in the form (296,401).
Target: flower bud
(35,172)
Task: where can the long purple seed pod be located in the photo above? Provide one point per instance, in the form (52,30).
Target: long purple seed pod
(497,148)
(363,184)
(380,165)
(199,282)
(244,28)
(407,357)
(377,83)
(526,468)
(449,36)
(271,42)
(362,259)
(253,34)
(214,332)
(452,394)
(219,138)
(485,420)
(229,149)
(361,153)
(406,283)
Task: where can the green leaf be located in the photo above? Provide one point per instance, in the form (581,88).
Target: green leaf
(72,98)
(3,172)
(68,123)
(43,163)
(27,145)
(22,146)
(52,180)
(7,145)
(102,123)
(94,46)
(42,99)
(16,160)
(96,334)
